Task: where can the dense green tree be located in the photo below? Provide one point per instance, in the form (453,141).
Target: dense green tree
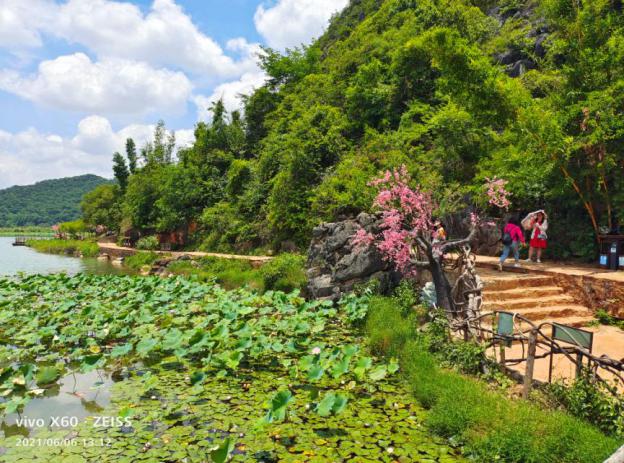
(120,169)
(140,198)
(102,206)
(160,150)
(258,106)
(131,154)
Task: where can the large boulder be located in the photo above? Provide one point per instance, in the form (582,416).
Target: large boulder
(334,267)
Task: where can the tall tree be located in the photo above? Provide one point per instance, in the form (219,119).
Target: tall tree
(131,154)
(160,150)
(120,169)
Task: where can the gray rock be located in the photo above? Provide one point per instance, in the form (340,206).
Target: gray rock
(358,265)
(334,268)
(509,56)
(520,67)
(540,50)
(321,287)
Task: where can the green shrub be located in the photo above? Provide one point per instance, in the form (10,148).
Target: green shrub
(225,229)
(489,425)
(605,318)
(586,399)
(140,259)
(84,248)
(284,273)
(406,296)
(229,273)
(148,243)
(73,228)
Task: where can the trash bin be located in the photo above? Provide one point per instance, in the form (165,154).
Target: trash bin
(611,252)
(614,258)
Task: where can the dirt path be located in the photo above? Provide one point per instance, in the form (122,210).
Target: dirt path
(556,268)
(114,250)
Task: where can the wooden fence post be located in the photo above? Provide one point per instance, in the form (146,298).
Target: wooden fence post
(530,363)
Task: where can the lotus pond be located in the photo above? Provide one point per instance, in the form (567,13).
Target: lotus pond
(169,370)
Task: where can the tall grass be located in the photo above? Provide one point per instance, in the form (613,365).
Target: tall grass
(140,259)
(84,248)
(283,273)
(491,426)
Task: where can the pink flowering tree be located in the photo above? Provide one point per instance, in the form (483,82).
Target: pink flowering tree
(406,236)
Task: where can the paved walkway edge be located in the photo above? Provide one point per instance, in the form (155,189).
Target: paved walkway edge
(120,251)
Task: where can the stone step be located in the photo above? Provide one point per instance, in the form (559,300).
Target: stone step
(513,304)
(502,284)
(517,293)
(553,313)
(575,321)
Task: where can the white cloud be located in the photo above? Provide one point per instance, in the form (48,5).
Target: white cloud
(231,94)
(111,86)
(21,21)
(165,36)
(289,23)
(30,156)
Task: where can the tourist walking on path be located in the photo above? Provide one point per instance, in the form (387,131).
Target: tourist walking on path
(512,237)
(537,223)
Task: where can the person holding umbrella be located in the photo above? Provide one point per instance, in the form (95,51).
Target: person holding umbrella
(537,223)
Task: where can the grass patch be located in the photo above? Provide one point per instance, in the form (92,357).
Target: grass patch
(284,273)
(29,231)
(229,273)
(491,426)
(77,248)
(140,259)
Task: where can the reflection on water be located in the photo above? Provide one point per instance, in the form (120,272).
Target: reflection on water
(76,395)
(14,259)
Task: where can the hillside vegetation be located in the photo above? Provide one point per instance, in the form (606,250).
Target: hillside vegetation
(47,202)
(457,90)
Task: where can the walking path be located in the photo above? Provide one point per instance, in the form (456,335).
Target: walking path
(114,250)
(535,292)
(555,268)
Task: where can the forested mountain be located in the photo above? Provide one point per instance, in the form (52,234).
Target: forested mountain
(47,202)
(457,90)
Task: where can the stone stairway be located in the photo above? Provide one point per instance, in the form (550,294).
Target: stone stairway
(535,297)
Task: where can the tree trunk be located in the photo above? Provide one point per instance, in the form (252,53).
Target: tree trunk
(442,287)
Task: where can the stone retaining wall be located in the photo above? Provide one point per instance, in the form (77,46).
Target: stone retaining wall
(116,252)
(595,293)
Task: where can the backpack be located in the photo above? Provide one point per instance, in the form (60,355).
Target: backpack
(507,239)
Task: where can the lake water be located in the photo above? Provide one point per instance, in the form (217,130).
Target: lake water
(78,395)
(14,259)
(75,396)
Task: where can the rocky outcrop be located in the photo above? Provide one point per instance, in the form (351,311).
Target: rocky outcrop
(487,241)
(334,267)
(518,61)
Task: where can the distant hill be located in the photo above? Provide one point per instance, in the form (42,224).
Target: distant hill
(47,202)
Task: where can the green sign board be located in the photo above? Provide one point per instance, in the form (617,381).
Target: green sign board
(574,336)
(505,324)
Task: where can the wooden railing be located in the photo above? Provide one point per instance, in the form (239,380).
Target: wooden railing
(492,328)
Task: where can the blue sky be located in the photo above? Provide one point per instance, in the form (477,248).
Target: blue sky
(77,77)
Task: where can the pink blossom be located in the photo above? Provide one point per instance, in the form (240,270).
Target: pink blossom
(362,239)
(497,193)
(406,214)
(406,217)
